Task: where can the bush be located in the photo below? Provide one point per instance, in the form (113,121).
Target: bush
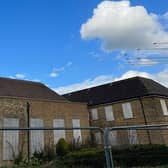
(141,155)
(62,147)
(85,157)
(128,156)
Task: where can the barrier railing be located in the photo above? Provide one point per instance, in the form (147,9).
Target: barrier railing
(104,131)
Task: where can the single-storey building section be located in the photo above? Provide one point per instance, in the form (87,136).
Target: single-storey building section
(25,103)
(133,101)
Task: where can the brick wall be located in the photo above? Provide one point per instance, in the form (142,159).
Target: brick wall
(47,111)
(150,109)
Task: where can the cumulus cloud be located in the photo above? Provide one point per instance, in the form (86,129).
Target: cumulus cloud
(165,16)
(160,77)
(122,26)
(84,84)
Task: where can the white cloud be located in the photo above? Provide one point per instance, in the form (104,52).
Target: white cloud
(85,84)
(122,26)
(20,76)
(53,74)
(160,77)
(56,71)
(165,16)
(143,62)
(69,63)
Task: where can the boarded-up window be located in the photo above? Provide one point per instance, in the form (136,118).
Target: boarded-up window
(132,137)
(10,139)
(58,133)
(37,136)
(109,113)
(94,114)
(164,106)
(98,138)
(113,138)
(127,110)
(77,133)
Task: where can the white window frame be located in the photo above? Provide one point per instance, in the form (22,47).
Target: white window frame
(76,132)
(164,107)
(10,139)
(109,113)
(94,114)
(58,133)
(98,138)
(113,138)
(132,137)
(127,110)
(37,136)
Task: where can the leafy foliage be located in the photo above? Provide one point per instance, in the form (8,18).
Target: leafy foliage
(62,147)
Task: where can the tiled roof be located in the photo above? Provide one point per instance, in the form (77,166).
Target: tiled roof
(27,89)
(117,91)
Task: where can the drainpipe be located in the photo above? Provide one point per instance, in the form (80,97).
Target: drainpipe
(145,120)
(28,132)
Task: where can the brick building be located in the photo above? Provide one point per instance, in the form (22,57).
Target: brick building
(133,101)
(23,101)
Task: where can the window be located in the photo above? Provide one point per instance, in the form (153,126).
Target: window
(98,138)
(164,106)
(132,137)
(10,139)
(94,114)
(109,113)
(76,133)
(37,136)
(58,133)
(113,138)
(127,110)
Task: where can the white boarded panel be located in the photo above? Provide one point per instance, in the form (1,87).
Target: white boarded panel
(58,133)
(98,138)
(37,136)
(113,138)
(10,139)
(109,113)
(127,110)
(132,137)
(94,114)
(164,106)
(76,133)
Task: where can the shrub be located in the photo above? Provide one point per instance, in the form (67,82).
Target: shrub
(128,156)
(141,155)
(47,154)
(62,147)
(85,157)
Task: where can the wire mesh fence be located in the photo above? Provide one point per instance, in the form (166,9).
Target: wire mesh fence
(125,150)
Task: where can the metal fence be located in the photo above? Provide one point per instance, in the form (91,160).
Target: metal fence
(104,131)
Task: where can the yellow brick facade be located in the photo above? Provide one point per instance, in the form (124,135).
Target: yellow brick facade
(47,111)
(146,110)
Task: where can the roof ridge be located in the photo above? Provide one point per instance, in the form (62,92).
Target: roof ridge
(28,89)
(22,80)
(105,84)
(145,87)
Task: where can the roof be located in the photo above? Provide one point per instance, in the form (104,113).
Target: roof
(27,89)
(119,90)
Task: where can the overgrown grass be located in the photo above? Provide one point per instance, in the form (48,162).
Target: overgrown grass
(146,156)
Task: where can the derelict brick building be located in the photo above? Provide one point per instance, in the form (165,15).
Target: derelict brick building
(133,101)
(23,101)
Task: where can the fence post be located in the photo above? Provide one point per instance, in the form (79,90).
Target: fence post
(107,149)
(28,131)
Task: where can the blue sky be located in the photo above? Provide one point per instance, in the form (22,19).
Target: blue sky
(41,40)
